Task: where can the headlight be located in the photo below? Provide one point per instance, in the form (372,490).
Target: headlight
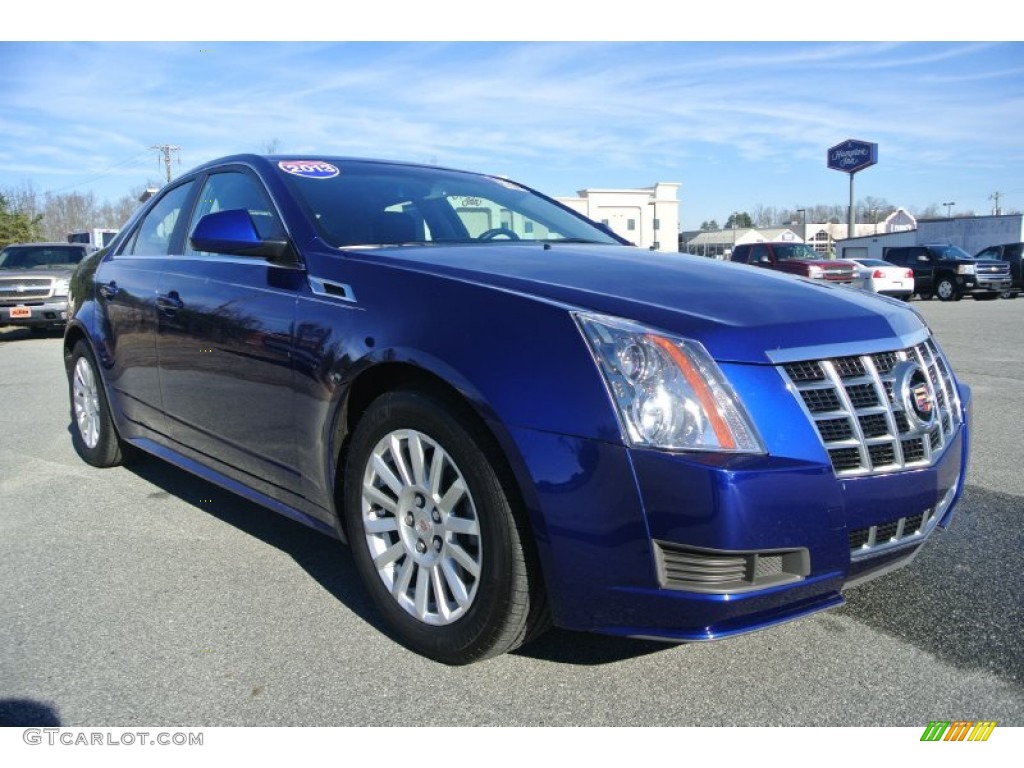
(965,269)
(668,392)
(815,272)
(61,286)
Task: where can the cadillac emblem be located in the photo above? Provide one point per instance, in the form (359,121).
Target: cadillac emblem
(912,390)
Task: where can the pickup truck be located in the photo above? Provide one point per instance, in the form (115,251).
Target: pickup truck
(34,280)
(950,272)
(1012,254)
(796,259)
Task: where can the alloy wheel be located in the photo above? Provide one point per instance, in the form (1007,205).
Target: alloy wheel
(421,527)
(86,400)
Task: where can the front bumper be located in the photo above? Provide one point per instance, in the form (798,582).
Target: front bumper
(687,548)
(52,312)
(976,284)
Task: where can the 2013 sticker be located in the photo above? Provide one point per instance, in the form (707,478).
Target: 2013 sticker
(309,169)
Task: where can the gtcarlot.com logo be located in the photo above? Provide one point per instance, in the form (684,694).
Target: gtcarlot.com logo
(958,730)
(68,738)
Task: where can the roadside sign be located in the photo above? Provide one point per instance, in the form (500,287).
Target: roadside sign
(852,156)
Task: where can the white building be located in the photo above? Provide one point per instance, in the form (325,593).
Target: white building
(648,217)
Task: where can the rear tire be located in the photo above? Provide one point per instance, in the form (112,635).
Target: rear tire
(434,534)
(92,429)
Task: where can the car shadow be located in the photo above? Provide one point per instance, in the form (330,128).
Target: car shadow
(321,556)
(561,646)
(331,565)
(960,598)
(24,713)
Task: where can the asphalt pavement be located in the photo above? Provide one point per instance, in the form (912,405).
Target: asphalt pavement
(142,596)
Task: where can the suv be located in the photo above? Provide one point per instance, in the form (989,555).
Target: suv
(34,281)
(796,259)
(950,272)
(1012,254)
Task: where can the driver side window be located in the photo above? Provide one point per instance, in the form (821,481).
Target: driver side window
(235,190)
(155,235)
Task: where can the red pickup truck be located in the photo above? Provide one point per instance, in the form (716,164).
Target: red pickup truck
(796,259)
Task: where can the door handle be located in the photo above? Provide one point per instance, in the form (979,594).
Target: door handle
(169,303)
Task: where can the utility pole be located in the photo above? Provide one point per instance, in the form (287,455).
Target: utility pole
(996,211)
(166,150)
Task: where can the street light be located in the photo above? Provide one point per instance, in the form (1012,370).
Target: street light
(803,235)
(949,207)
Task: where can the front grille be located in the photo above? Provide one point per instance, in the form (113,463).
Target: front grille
(15,290)
(892,534)
(862,422)
(992,269)
(866,541)
(726,572)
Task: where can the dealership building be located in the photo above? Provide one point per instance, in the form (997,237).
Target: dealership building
(647,217)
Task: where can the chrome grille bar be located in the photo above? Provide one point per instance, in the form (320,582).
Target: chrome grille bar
(862,423)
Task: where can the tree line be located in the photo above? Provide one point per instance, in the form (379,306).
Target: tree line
(27,215)
(870,210)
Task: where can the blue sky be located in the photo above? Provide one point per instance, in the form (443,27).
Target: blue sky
(737,124)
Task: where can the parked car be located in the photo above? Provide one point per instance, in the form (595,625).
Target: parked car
(34,283)
(950,272)
(1012,254)
(512,417)
(794,259)
(877,276)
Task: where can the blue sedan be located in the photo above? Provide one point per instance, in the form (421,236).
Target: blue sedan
(510,415)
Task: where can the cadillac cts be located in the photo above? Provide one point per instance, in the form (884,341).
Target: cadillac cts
(513,417)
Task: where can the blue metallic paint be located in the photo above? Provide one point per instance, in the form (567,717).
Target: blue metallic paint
(493,324)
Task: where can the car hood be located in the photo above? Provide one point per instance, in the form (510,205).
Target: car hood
(739,313)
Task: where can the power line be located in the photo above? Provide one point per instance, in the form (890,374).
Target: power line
(101,174)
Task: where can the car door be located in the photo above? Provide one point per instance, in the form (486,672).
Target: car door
(922,263)
(225,347)
(126,293)
(1014,254)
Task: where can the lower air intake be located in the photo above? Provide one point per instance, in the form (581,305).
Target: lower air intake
(725,572)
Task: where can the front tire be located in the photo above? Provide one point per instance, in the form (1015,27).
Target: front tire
(433,531)
(92,429)
(946,290)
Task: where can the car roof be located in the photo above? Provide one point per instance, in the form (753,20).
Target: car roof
(48,245)
(270,161)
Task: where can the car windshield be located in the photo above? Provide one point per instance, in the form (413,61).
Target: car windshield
(796,251)
(378,203)
(40,257)
(950,252)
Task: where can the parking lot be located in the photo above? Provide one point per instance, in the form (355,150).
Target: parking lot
(142,595)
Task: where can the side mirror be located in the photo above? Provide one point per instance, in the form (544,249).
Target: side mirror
(233,232)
